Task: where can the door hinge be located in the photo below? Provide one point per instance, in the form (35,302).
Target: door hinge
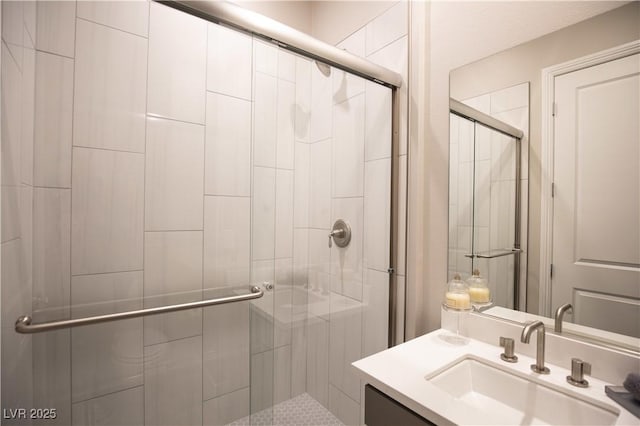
(551,271)
(553,189)
(554,109)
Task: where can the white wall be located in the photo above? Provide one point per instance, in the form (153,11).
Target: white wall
(296,14)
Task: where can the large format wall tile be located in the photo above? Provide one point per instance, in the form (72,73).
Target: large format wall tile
(225,349)
(28,112)
(177,64)
(303,99)
(56,26)
(284,214)
(345,344)
(110,88)
(375,312)
(174,175)
(318,359)
(17,387)
(227,241)
(320,185)
(387,27)
(51,253)
(172,275)
(107,211)
(125,408)
(265,123)
(377,122)
(264,213)
(106,357)
(229,62)
(130,16)
(322,102)
(346,262)
(173,383)
(228,146)
(286,123)
(344,408)
(53,121)
(348,147)
(377,214)
(301,185)
(226,408)
(52,374)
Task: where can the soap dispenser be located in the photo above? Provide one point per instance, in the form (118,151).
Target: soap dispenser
(456,295)
(479,293)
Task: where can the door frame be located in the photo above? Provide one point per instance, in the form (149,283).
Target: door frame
(546,156)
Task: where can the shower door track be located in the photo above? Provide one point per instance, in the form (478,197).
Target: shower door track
(24,323)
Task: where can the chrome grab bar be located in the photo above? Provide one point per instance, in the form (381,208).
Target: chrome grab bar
(24,326)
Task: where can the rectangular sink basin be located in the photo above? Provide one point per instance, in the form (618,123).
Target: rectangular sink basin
(508,398)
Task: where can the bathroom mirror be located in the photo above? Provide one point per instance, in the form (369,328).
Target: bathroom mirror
(574,94)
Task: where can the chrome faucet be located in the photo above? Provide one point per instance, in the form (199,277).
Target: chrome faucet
(529,327)
(567,307)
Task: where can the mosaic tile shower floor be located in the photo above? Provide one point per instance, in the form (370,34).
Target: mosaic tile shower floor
(302,410)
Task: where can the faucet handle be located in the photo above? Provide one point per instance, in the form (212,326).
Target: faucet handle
(509,345)
(578,369)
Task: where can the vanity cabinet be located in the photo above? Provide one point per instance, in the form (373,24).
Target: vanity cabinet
(381,410)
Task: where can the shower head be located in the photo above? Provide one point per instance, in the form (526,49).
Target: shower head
(323,68)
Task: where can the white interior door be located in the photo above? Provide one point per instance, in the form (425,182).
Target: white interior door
(596,206)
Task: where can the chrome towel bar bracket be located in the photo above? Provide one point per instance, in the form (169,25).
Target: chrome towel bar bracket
(24,323)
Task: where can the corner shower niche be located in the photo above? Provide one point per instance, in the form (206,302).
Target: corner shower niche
(485,202)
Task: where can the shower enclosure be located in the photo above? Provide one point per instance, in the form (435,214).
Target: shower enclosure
(163,162)
(485,202)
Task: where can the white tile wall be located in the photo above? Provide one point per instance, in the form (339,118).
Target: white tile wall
(286,65)
(110,90)
(348,148)
(51,253)
(116,347)
(226,408)
(130,16)
(173,382)
(286,115)
(376,214)
(228,146)
(107,211)
(264,211)
(125,408)
(347,262)
(56,27)
(229,62)
(318,359)
(225,349)
(343,407)
(321,101)
(28,110)
(375,312)
(320,172)
(282,374)
(227,241)
(265,57)
(177,65)
(52,373)
(265,127)
(53,121)
(173,274)
(284,214)
(345,344)
(387,28)
(174,175)
(301,183)
(303,99)
(377,123)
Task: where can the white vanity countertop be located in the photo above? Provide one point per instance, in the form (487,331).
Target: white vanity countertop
(400,373)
